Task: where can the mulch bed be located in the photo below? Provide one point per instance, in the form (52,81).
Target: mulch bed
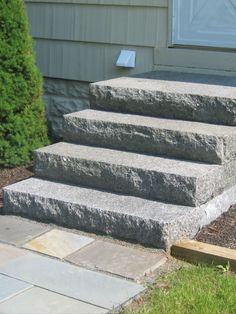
(220,232)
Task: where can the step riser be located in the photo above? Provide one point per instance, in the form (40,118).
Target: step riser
(88,219)
(171,188)
(147,231)
(167,105)
(147,140)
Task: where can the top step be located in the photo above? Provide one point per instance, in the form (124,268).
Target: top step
(185,96)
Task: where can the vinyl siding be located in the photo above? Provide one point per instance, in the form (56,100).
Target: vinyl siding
(81,39)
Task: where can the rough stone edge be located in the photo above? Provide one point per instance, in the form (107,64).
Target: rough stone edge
(146,231)
(82,131)
(176,188)
(156,103)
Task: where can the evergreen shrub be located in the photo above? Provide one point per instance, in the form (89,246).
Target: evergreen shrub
(22,111)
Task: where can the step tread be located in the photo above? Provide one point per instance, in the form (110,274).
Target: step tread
(105,201)
(132,160)
(153,122)
(177,83)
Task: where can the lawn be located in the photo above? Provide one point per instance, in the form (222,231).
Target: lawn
(191,290)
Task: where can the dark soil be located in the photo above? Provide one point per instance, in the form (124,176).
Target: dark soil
(220,232)
(10,176)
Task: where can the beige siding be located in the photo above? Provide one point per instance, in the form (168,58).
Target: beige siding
(82,39)
(181,59)
(142,3)
(138,26)
(86,61)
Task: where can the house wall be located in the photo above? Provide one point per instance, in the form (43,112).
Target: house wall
(78,41)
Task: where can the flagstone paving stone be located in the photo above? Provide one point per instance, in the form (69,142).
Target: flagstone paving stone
(40,301)
(117,259)
(72,281)
(58,243)
(10,287)
(9,253)
(17,231)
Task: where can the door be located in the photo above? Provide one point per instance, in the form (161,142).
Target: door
(210,23)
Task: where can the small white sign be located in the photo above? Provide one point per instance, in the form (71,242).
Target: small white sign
(127,59)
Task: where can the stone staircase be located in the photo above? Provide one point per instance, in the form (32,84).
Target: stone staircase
(146,163)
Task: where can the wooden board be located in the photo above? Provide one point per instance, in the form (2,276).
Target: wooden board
(198,252)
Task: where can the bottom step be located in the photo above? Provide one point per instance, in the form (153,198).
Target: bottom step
(148,222)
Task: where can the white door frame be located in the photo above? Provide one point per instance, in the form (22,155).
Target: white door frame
(170,23)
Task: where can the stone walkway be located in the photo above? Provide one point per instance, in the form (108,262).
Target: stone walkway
(49,270)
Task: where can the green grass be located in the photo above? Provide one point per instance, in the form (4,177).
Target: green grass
(192,290)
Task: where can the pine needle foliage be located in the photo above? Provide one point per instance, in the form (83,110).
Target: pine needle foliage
(22,111)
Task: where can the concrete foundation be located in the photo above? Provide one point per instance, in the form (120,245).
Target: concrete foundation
(62,97)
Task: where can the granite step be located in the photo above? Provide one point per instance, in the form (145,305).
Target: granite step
(185,96)
(132,218)
(157,178)
(166,137)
